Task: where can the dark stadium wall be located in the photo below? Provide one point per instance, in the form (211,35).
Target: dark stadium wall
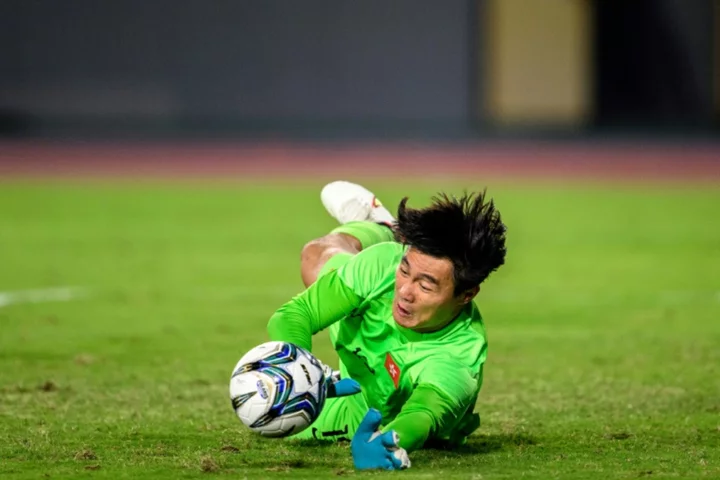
(249,64)
(319,67)
(654,62)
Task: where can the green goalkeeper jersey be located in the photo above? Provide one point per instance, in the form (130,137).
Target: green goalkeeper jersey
(424,384)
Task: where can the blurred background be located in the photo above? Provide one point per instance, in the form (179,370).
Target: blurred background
(462,69)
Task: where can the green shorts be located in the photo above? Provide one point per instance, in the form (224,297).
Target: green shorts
(339,419)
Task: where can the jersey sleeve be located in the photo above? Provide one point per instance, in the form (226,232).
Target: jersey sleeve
(454,380)
(427,412)
(437,405)
(323,303)
(334,295)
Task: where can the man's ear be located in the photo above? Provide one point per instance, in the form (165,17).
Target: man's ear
(469,294)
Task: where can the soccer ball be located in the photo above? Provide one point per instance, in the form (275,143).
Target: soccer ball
(278,389)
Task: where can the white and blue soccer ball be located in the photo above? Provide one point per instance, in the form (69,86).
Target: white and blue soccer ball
(278,389)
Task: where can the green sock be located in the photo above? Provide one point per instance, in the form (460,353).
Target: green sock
(369,233)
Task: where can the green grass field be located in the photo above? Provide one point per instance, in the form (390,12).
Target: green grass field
(604,331)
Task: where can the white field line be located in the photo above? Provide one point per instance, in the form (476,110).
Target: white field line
(58,294)
(64,294)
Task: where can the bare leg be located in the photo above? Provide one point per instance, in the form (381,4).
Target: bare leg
(317,252)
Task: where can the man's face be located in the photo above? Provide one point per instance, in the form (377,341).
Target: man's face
(424,288)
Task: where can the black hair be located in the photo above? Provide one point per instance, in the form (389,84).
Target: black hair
(467,230)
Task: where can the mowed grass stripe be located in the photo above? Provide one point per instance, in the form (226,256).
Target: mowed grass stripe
(603,326)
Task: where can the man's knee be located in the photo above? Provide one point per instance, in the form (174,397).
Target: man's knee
(313,251)
(325,247)
(312,258)
(317,252)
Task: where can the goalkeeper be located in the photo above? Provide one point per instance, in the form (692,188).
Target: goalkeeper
(397,298)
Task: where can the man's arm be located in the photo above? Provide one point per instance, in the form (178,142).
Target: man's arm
(437,405)
(427,411)
(323,303)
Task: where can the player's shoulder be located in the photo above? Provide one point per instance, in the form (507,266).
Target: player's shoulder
(469,328)
(466,344)
(450,373)
(476,325)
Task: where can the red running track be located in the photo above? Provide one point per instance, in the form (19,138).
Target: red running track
(633,162)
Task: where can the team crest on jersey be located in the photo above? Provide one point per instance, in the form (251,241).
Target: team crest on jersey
(392,369)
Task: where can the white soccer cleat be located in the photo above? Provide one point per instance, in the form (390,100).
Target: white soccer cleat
(350,202)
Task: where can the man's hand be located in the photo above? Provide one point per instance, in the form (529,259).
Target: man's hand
(337,387)
(372,449)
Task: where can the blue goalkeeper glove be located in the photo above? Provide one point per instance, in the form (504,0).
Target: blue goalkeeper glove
(372,449)
(339,387)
